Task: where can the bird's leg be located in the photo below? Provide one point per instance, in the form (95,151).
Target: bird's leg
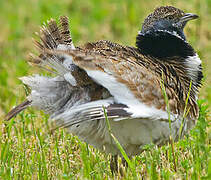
(124,166)
(124,162)
(114,163)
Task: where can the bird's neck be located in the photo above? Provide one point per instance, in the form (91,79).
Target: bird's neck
(173,58)
(170,48)
(163,44)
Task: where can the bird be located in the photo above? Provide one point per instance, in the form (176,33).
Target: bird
(147,92)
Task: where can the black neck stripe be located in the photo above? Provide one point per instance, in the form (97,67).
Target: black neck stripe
(161,44)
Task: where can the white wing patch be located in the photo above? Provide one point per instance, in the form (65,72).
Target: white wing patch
(193,64)
(141,110)
(118,90)
(122,94)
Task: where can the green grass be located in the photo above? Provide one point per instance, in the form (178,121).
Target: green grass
(29,151)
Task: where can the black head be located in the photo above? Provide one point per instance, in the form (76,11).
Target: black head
(162,32)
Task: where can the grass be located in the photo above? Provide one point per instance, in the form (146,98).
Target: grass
(28,151)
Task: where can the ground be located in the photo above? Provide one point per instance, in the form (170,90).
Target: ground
(28,150)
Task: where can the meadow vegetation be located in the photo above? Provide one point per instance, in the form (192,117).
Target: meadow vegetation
(27,148)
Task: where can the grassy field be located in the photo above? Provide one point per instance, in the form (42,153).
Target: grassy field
(28,151)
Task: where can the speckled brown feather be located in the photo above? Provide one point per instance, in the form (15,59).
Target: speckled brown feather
(141,74)
(64,29)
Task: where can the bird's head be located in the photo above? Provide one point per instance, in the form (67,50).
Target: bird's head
(162,33)
(167,18)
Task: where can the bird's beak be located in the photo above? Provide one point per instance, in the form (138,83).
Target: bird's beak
(187,17)
(183,20)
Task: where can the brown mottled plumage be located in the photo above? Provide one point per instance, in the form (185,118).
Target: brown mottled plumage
(129,67)
(129,82)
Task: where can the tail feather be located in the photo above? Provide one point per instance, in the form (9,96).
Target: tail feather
(54,32)
(47,93)
(65,32)
(55,36)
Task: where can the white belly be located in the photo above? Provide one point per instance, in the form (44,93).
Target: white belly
(132,134)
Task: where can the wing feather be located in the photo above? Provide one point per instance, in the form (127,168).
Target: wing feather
(92,111)
(126,80)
